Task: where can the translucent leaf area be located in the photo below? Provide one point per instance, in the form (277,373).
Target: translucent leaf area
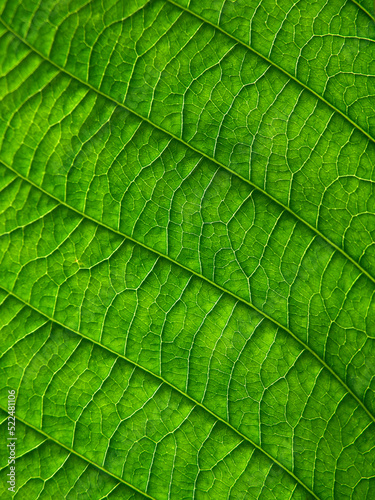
(187,249)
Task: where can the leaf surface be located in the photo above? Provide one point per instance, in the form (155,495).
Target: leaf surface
(187,248)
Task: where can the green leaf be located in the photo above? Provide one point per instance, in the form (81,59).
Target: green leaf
(187,248)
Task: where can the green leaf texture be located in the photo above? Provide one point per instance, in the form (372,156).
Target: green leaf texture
(187,249)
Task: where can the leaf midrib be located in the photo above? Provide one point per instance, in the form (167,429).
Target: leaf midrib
(202,277)
(82,457)
(213,160)
(164,381)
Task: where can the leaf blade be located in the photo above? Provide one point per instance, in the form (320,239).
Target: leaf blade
(225,203)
